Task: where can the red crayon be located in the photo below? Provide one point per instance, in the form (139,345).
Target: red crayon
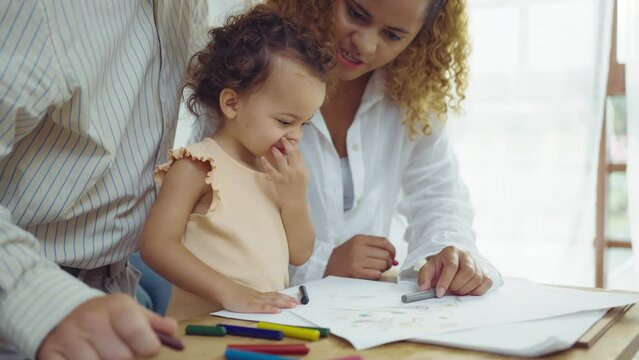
(170,341)
(279,349)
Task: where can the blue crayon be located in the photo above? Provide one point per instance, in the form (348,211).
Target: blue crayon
(253,332)
(234,354)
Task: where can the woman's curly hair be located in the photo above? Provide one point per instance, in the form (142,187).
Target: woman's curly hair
(239,56)
(429,76)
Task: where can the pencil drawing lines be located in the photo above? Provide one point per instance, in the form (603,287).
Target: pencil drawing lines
(434,316)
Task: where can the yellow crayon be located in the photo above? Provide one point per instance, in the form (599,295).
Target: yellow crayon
(291,331)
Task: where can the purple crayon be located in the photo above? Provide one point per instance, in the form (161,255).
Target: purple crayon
(252,332)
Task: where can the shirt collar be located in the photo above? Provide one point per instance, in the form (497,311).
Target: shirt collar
(375,91)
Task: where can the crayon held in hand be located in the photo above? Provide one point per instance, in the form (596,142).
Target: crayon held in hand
(170,341)
(304,299)
(421,295)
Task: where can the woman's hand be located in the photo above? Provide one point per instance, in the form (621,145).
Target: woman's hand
(453,271)
(363,257)
(246,300)
(288,172)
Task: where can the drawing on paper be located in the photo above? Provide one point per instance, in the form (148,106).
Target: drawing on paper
(434,316)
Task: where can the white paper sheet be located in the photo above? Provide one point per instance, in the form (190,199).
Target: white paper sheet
(369,313)
(286,317)
(528,339)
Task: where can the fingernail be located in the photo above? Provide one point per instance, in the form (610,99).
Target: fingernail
(395,262)
(440,291)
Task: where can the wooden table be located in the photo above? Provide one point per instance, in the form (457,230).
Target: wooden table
(620,341)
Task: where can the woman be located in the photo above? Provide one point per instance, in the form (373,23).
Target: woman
(402,64)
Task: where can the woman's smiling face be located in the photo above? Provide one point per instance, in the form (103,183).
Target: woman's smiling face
(371,33)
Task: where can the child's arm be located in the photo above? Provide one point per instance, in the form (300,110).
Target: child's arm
(290,177)
(182,189)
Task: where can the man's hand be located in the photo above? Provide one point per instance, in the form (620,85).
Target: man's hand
(106,327)
(363,257)
(454,271)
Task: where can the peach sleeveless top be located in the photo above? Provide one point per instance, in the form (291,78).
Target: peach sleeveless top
(241,236)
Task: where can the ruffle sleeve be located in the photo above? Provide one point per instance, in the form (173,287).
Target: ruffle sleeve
(195,152)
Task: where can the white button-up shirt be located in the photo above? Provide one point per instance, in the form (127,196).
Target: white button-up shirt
(391,173)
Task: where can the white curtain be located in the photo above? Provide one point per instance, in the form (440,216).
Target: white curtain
(528,140)
(629,53)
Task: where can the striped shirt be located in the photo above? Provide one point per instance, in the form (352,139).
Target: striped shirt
(88,105)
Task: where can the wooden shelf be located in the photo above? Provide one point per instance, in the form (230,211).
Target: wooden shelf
(616,86)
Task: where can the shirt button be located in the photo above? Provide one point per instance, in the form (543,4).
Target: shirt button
(355,147)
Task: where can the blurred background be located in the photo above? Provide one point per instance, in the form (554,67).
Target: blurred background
(544,76)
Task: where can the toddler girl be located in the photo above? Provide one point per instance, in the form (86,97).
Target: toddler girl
(231,214)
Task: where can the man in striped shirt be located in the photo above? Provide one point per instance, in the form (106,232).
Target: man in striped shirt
(88,105)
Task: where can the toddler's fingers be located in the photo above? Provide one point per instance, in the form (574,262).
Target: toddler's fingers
(282,301)
(290,298)
(292,151)
(268,167)
(280,160)
(268,309)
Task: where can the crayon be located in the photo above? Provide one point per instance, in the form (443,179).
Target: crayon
(252,332)
(421,295)
(324,332)
(291,331)
(234,354)
(205,330)
(280,349)
(169,341)
(304,299)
